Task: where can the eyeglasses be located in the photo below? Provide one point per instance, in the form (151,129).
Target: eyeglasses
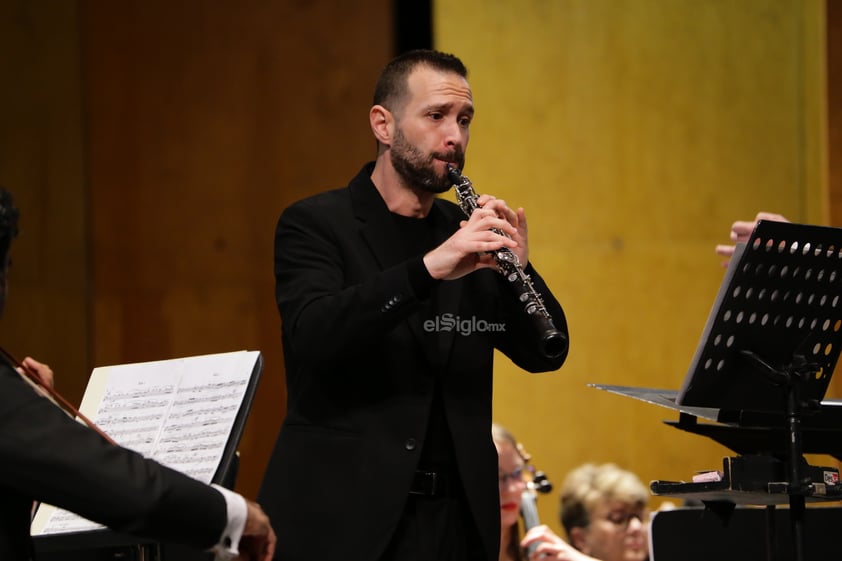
(518,475)
(622,519)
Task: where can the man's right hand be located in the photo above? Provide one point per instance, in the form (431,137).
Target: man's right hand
(258,540)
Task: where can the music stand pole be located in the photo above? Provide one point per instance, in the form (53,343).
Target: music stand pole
(798,488)
(770,532)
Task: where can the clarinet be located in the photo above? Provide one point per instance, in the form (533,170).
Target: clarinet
(553,343)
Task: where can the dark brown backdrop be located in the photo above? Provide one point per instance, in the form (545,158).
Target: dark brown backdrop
(204,120)
(156,144)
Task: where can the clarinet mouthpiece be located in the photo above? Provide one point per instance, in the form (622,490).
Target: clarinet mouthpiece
(454,174)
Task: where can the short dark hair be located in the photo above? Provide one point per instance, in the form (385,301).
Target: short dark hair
(392,85)
(8,224)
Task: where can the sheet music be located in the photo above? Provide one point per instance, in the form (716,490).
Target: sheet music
(179,412)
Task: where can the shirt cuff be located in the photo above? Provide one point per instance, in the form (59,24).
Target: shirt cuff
(229,542)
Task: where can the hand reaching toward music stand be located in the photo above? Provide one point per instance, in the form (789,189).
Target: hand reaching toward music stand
(740,232)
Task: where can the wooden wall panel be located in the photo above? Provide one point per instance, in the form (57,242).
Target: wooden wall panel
(204,121)
(41,164)
(833,36)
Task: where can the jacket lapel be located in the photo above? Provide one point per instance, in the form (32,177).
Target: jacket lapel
(448,293)
(380,234)
(376,225)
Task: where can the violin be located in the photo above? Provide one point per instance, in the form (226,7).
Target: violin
(529,499)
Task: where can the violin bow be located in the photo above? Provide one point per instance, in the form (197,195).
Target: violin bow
(53,395)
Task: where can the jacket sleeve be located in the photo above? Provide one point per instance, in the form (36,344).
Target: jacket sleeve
(327,315)
(51,458)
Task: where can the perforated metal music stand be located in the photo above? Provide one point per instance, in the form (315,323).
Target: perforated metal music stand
(763,365)
(779,310)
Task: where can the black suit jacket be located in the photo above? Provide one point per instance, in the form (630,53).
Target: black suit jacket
(360,372)
(46,456)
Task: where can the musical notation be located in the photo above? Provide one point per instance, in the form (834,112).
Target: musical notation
(179,412)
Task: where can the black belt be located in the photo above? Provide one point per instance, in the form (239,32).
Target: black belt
(431,483)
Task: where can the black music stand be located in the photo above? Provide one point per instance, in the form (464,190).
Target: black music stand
(775,324)
(761,369)
(696,534)
(108,545)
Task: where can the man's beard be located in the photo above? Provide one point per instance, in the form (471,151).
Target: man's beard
(419,172)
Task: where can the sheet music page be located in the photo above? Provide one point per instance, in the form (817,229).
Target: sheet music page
(179,412)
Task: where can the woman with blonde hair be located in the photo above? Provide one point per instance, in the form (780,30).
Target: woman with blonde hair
(604,512)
